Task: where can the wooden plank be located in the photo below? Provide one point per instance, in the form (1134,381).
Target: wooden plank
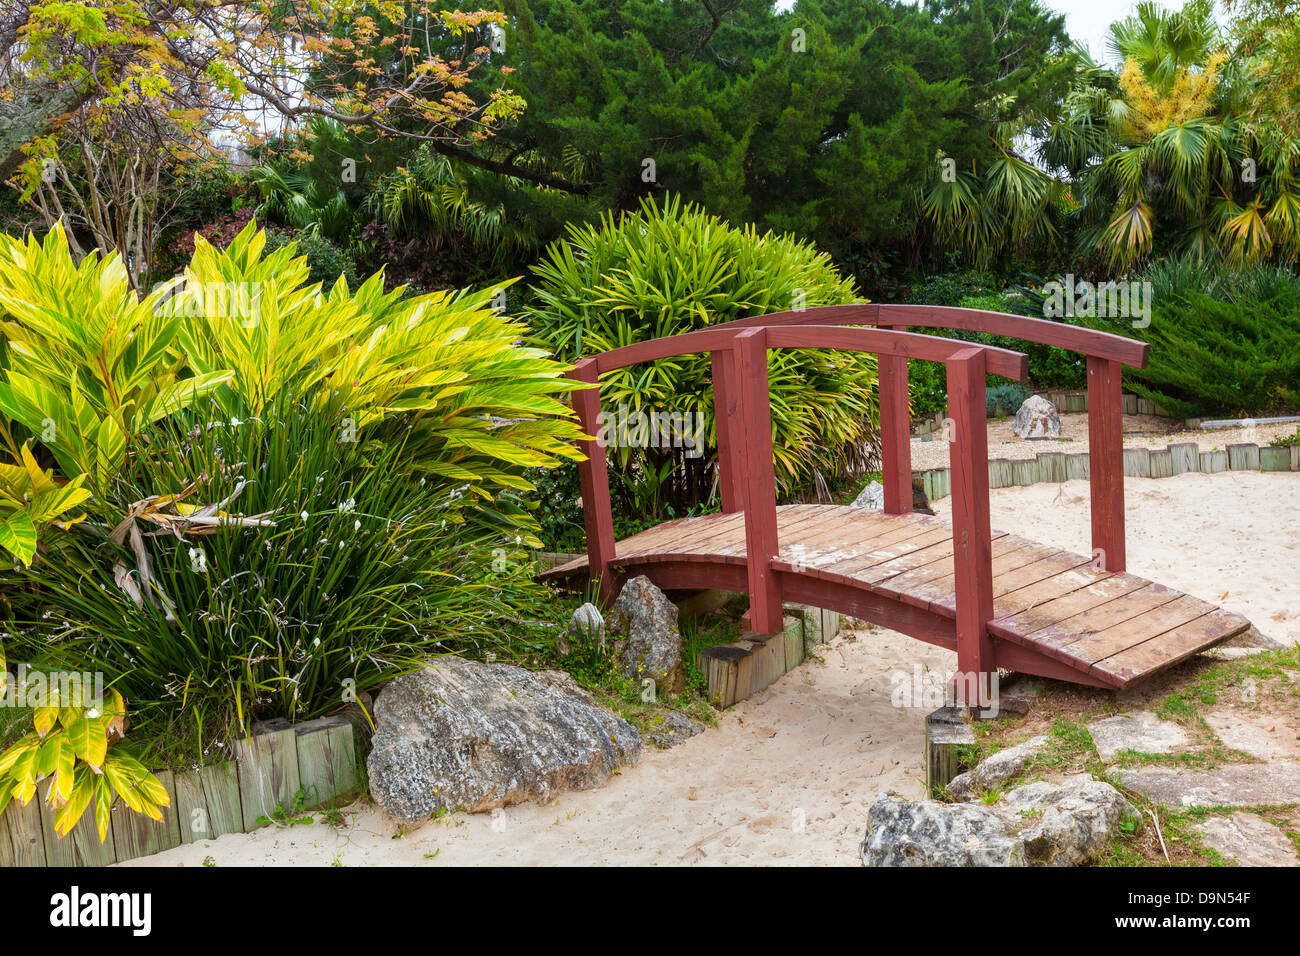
(1173,646)
(268,775)
(1243,457)
(207,802)
(938,594)
(1137,462)
(1106,463)
(1145,406)
(882,550)
(1109,642)
(1186,457)
(846,546)
(1066,576)
(1162,463)
(1076,466)
(136,835)
(908,581)
(1075,602)
(327,760)
(895,435)
(22,842)
(81,846)
(1130,403)
(1295,457)
(1275,459)
(1213,461)
(1103,617)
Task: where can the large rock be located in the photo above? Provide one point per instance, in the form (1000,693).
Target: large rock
(643,624)
(996,770)
(1048,824)
(463,734)
(1037,418)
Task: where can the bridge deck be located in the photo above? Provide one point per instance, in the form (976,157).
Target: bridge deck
(1055,614)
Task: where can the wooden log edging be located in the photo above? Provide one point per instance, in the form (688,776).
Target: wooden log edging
(1064,401)
(741,669)
(317,758)
(1138,463)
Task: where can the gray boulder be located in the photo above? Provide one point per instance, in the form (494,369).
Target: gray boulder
(993,772)
(1043,824)
(463,734)
(647,644)
(1037,418)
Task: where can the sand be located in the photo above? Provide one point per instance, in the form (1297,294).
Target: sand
(787,776)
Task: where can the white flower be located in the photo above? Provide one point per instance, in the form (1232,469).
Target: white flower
(356,526)
(303,516)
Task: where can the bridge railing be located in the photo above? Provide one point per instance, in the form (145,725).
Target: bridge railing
(738,354)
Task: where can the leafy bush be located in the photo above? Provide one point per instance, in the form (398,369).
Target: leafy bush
(326,261)
(296,492)
(1212,357)
(1005,399)
(670,269)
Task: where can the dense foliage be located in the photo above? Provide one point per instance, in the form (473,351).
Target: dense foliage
(673,268)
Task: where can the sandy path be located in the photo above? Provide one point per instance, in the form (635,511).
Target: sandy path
(824,741)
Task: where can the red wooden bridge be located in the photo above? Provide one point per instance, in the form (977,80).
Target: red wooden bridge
(997,599)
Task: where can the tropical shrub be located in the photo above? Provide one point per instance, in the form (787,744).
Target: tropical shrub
(1212,356)
(670,268)
(295,493)
(72,745)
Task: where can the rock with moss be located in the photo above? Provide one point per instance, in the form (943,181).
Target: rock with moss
(996,770)
(647,644)
(461,734)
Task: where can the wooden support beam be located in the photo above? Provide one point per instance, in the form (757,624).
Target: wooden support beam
(761,544)
(726,414)
(971,534)
(593,475)
(1106,462)
(895,434)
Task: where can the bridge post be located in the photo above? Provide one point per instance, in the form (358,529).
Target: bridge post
(726,414)
(971,535)
(593,474)
(759,481)
(895,433)
(1106,462)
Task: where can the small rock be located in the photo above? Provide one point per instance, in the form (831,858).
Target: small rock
(1037,418)
(464,734)
(871,497)
(1144,732)
(1050,824)
(672,727)
(647,643)
(585,627)
(1249,840)
(996,770)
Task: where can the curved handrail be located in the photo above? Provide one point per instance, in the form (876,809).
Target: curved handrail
(1089,342)
(932,348)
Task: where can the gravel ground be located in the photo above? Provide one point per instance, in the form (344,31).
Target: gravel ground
(1139,431)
